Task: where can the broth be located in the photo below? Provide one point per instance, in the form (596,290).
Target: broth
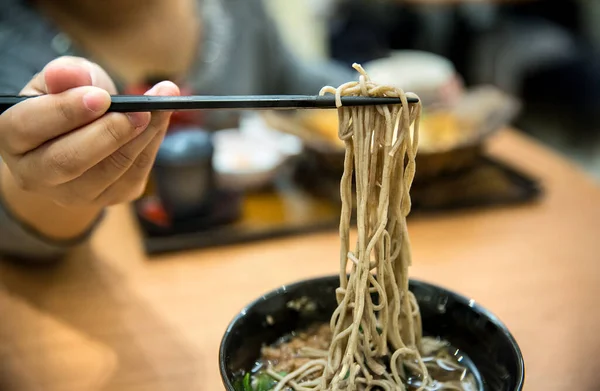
(444,362)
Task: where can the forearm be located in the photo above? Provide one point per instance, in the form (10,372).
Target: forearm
(43,215)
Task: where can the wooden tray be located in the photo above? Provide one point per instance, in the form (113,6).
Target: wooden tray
(301,200)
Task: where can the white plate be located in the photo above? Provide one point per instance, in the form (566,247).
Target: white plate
(251,156)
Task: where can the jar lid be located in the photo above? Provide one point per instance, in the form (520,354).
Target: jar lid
(186,146)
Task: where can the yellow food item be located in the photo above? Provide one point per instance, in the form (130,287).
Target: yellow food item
(439,131)
(324,123)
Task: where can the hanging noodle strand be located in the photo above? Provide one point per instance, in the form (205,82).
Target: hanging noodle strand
(374,342)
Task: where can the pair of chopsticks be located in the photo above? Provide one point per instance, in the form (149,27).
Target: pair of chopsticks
(135,103)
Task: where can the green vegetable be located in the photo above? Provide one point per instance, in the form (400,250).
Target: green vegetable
(238,385)
(247,385)
(264,382)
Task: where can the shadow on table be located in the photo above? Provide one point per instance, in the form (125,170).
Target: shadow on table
(76,325)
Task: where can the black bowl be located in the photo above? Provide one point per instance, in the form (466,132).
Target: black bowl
(466,325)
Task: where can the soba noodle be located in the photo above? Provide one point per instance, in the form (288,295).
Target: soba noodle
(375,342)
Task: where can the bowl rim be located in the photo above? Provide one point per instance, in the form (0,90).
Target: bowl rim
(520,375)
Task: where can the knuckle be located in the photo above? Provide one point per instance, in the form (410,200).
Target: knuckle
(11,123)
(120,160)
(25,178)
(23,182)
(144,160)
(65,109)
(64,164)
(114,130)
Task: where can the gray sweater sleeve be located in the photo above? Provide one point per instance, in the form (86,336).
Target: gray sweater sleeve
(17,240)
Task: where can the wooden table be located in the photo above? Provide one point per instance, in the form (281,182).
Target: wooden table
(111,319)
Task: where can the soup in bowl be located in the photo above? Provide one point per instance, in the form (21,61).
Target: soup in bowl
(478,351)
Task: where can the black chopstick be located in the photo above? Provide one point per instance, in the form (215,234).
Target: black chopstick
(132,103)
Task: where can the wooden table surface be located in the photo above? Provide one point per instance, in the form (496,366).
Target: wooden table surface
(109,318)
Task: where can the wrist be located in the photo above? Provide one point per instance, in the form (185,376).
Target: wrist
(41,213)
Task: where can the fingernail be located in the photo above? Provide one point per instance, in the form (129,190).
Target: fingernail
(157,88)
(139,120)
(95,101)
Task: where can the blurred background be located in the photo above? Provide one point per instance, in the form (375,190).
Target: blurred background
(545,52)
(479,67)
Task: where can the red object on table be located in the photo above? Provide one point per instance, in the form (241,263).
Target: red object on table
(152,210)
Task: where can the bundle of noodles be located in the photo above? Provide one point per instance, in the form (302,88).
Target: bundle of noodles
(375,342)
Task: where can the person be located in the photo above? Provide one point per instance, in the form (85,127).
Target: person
(64,159)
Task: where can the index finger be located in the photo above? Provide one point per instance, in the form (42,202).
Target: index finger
(60,75)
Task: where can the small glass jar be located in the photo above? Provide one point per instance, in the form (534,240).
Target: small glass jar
(183,172)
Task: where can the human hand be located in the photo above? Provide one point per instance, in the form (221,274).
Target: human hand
(64,146)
